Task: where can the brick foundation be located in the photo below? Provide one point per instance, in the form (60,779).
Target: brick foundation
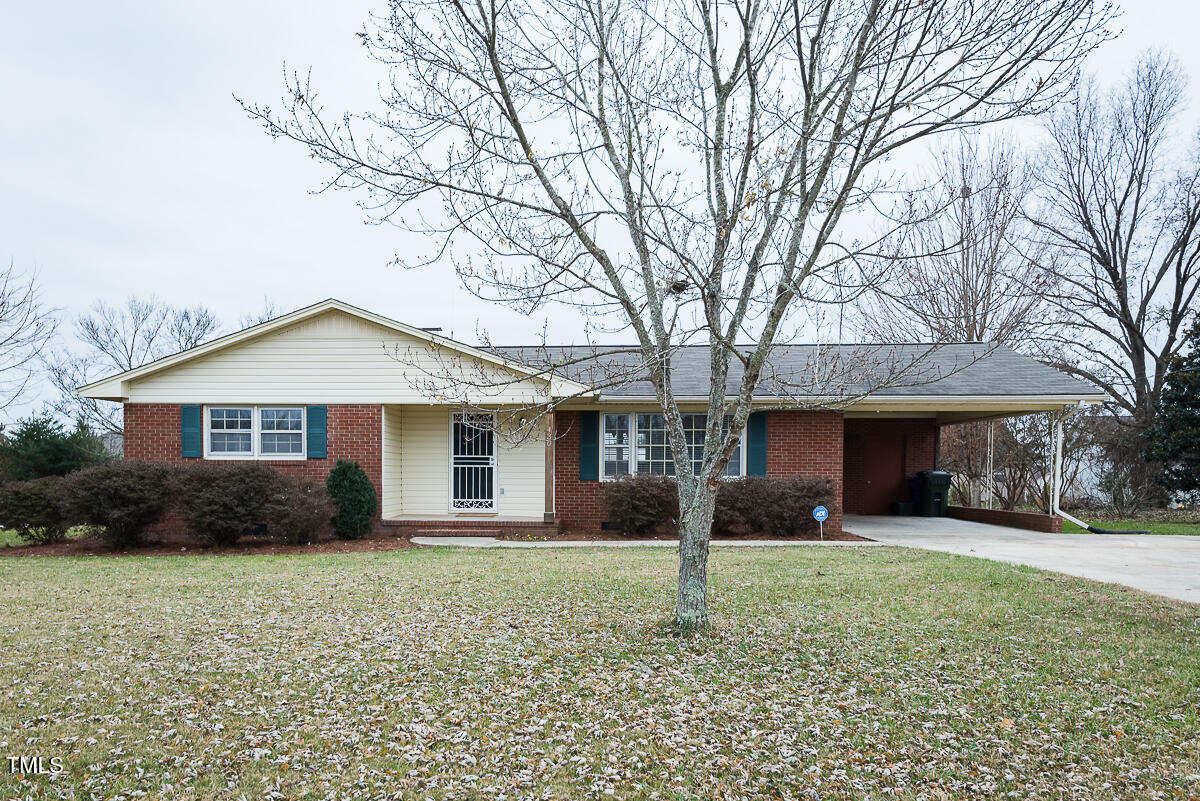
(354,432)
(1034,521)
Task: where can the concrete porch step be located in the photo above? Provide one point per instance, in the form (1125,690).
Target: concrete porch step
(457,532)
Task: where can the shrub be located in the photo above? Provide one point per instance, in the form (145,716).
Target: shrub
(754,506)
(298,510)
(221,501)
(770,507)
(35,509)
(353,499)
(122,497)
(39,446)
(639,504)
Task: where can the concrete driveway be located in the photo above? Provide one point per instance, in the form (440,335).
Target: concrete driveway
(1161,564)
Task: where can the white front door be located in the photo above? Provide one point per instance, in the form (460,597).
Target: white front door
(473,462)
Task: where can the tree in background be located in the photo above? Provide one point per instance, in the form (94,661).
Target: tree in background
(973,270)
(119,338)
(678,170)
(268,312)
(1125,215)
(26,326)
(1174,439)
(39,446)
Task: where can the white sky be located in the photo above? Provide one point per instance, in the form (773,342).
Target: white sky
(127,167)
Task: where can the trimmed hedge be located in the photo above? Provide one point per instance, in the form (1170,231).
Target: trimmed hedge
(125,498)
(353,498)
(298,509)
(221,501)
(770,507)
(753,506)
(637,505)
(35,509)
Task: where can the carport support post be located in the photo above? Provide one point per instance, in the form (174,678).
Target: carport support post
(1056,443)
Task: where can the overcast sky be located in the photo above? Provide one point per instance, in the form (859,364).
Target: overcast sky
(127,167)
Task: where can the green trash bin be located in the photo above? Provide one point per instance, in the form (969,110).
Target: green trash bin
(935,493)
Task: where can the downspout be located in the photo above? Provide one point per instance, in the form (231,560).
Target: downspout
(1056,478)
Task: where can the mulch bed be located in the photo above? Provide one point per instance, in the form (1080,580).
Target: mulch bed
(605,536)
(167,545)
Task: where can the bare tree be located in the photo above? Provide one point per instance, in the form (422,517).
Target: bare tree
(269,311)
(679,169)
(1128,219)
(973,269)
(119,338)
(26,326)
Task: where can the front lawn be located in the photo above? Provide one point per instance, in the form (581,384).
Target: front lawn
(835,673)
(1163,521)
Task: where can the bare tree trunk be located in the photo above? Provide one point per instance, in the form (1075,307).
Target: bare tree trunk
(695,531)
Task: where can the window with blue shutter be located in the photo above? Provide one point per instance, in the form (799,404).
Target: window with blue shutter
(316,432)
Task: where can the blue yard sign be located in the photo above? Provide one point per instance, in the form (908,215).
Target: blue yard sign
(820,513)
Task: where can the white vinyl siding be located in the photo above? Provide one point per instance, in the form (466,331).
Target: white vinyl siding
(421,470)
(332,358)
(392,502)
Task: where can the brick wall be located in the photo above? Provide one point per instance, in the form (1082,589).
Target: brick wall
(1034,521)
(578,505)
(916,437)
(799,443)
(808,444)
(354,432)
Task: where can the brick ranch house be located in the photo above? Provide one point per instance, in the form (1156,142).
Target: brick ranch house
(334,381)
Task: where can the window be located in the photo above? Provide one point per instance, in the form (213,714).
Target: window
(254,432)
(651,450)
(280,431)
(615,445)
(229,431)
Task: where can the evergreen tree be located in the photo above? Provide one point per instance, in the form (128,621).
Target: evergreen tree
(1174,439)
(40,446)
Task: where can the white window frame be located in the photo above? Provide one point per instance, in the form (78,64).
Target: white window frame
(255,453)
(633,415)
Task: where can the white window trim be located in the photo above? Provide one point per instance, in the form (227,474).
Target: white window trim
(495,507)
(633,446)
(255,453)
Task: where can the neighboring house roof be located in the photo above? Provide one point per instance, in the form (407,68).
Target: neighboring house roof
(900,370)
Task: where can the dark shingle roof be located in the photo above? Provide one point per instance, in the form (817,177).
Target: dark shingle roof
(910,370)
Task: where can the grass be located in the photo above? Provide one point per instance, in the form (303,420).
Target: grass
(834,674)
(9,537)
(1153,526)
(1161,521)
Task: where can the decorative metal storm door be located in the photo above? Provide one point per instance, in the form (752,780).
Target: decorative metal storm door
(473,462)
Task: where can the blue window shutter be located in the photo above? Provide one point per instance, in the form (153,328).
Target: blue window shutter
(756,444)
(316,437)
(589,446)
(191,431)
